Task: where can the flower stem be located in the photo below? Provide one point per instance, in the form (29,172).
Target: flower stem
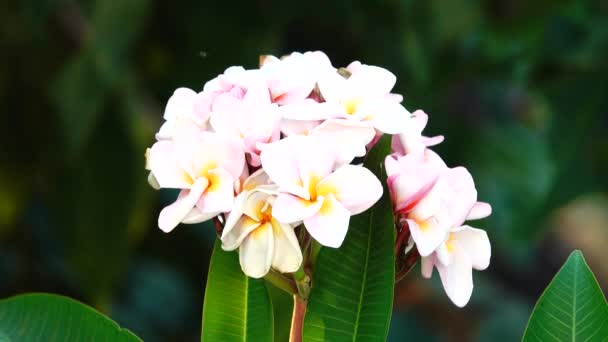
(281,282)
(302,283)
(297,319)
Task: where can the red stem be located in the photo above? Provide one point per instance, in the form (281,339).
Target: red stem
(297,319)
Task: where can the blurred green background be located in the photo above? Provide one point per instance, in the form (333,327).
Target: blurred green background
(519,88)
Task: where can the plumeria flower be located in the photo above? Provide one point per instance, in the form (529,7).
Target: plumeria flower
(416,186)
(293,78)
(412,140)
(247,114)
(348,138)
(430,195)
(205,166)
(262,240)
(313,192)
(365,96)
(466,248)
(186,111)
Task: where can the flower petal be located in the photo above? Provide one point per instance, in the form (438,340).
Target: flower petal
(256,252)
(219,195)
(355,187)
(462,194)
(280,163)
(197,216)
(289,209)
(236,213)
(233,237)
(457,278)
(480,210)
(165,167)
(174,213)
(256,204)
(387,116)
(371,80)
(426,266)
(476,245)
(348,137)
(330,224)
(256,179)
(287,254)
(428,235)
(208,150)
(180,103)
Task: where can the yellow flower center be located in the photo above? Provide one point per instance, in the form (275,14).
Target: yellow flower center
(351,105)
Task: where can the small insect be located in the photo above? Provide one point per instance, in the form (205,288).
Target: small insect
(203,54)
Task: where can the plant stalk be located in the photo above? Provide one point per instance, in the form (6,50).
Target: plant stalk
(281,282)
(297,319)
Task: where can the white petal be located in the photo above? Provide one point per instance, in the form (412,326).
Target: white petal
(348,137)
(197,216)
(457,278)
(371,80)
(279,160)
(287,254)
(355,187)
(209,150)
(387,116)
(256,252)
(235,214)
(476,245)
(480,210)
(180,103)
(330,224)
(166,168)
(153,182)
(428,235)
(332,87)
(219,195)
(232,239)
(426,266)
(256,179)
(461,194)
(256,203)
(289,209)
(174,213)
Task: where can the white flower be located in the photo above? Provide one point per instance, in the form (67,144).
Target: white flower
(262,240)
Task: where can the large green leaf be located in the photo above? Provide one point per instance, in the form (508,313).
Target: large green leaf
(237,308)
(352,290)
(48,318)
(572,308)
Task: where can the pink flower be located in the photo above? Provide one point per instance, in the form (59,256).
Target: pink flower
(245,112)
(412,139)
(466,248)
(366,96)
(186,112)
(205,166)
(313,192)
(293,78)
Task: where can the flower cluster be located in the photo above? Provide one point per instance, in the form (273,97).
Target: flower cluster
(433,201)
(266,150)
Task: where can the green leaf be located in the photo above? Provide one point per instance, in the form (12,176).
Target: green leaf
(352,290)
(572,308)
(47,317)
(237,308)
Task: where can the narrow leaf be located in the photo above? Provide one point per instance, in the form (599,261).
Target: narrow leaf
(352,290)
(46,317)
(572,308)
(237,308)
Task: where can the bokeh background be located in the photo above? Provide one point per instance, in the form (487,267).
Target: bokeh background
(519,88)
